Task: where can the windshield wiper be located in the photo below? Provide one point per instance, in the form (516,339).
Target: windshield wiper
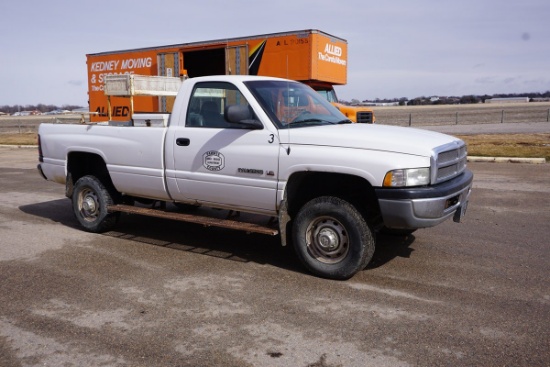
(309,120)
(314,119)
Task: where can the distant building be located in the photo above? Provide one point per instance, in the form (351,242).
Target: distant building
(508,100)
(383,104)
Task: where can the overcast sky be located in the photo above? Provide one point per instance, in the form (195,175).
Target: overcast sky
(399,48)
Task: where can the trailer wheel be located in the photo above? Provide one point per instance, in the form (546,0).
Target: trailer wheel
(332,239)
(90,201)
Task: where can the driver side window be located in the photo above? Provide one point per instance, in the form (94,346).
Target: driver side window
(208,102)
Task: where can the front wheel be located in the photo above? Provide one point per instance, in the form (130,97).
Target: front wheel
(90,201)
(332,239)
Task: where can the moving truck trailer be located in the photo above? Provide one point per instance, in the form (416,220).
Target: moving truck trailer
(310,56)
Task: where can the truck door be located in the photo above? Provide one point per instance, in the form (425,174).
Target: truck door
(236,60)
(221,163)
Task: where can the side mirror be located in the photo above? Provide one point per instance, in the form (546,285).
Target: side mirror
(242,115)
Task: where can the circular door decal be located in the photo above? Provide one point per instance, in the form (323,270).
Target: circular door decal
(213,160)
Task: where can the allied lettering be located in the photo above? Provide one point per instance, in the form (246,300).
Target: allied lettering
(332,59)
(118,111)
(333,50)
(101,111)
(121,111)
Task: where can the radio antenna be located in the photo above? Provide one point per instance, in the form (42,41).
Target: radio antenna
(288,111)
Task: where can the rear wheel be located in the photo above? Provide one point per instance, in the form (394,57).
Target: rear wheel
(90,201)
(332,239)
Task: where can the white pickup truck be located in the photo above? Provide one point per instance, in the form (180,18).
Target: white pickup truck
(270,147)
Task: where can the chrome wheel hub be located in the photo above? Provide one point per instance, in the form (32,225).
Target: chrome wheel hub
(327,240)
(88,205)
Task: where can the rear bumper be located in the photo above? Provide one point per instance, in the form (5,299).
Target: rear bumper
(422,207)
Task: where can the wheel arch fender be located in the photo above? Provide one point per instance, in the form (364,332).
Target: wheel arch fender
(306,185)
(83,163)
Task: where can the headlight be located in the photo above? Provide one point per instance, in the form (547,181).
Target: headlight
(407,177)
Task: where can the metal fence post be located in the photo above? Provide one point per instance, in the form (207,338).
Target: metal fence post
(456,120)
(410,119)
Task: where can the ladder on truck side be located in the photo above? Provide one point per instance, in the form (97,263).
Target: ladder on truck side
(131,85)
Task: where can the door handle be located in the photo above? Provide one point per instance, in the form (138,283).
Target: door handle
(183,142)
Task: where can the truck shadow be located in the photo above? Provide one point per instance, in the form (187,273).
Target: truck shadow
(181,236)
(388,247)
(59,211)
(209,241)
(222,243)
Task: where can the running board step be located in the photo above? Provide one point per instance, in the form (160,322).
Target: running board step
(205,221)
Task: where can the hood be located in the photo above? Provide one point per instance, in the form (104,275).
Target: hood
(368,136)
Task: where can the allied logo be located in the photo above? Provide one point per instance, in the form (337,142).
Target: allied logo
(333,50)
(332,54)
(213,160)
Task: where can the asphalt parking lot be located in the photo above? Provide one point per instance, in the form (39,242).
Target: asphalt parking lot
(162,293)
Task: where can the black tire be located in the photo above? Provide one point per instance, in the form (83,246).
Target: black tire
(90,201)
(332,239)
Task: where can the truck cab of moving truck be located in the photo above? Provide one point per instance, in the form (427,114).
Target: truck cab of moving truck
(359,114)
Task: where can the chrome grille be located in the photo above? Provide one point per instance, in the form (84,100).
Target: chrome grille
(364,117)
(450,161)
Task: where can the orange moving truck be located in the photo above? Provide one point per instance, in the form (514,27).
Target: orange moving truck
(310,56)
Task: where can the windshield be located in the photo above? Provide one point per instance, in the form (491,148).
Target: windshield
(291,104)
(328,94)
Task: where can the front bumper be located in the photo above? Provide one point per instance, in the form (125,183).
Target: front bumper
(420,207)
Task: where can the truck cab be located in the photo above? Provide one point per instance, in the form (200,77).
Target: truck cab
(359,114)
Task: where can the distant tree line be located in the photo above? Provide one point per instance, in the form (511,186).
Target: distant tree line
(468,99)
(39,107)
